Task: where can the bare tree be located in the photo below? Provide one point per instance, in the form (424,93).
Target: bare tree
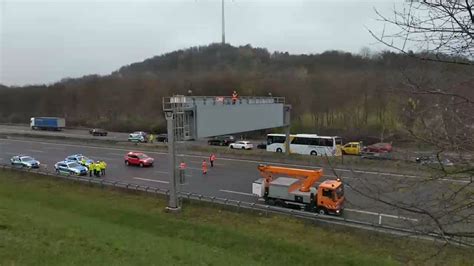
(438,27)
(439,111)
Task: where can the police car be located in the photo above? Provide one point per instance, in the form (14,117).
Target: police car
(70,167)
(24,161)
(79,158)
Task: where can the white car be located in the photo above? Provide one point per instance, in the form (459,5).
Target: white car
(244,145)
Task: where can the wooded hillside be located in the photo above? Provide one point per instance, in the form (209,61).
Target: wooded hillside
(331,93)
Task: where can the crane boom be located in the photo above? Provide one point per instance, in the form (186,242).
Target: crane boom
(309,177)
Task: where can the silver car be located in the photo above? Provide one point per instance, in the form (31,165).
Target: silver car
(24,161)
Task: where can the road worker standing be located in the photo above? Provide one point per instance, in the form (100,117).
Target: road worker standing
(212,158)
(182,168)
(204,167)
(235,96)
(151,138)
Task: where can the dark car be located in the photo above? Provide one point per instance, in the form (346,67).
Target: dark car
(221,140)
(433,160)
(162,137)
(262,146)
(98,132)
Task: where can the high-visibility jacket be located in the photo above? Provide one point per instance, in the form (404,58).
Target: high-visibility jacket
(97,167)
(182,166)
(213,157)
(83,161)
(91,167)
(234,96)
(102,165)
(204,166)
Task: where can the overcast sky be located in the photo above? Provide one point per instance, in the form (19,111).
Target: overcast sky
(45,41)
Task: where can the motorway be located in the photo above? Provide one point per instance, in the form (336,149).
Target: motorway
(232,178)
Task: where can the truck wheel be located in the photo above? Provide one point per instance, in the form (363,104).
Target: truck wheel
(313,153)
(279,150)
(322,211)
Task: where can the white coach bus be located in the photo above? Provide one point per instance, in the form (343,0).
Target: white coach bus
(309,144)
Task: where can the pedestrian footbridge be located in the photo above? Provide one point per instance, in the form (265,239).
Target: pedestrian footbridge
(205,116)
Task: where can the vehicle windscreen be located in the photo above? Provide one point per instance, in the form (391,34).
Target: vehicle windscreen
(72,165)
(27,159)
(339,192)
(142,156)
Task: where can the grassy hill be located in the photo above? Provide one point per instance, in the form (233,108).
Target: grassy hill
(46,221)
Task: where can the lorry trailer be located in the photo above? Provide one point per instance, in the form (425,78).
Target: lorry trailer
(47,123)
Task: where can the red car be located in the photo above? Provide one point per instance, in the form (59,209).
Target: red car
(379,148)
(138,158)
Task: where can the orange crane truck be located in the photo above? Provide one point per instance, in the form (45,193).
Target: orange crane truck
(294,188)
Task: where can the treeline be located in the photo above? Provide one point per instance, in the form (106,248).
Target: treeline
(332,93)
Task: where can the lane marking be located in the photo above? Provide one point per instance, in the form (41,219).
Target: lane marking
(236,192)
(233,159)
(38,151)
(199,162)
(161,172)
(382,214)
(151,180)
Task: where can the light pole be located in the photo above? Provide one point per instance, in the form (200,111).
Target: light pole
(223,24)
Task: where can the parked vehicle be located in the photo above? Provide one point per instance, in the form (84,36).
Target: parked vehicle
(98,132)
(298,189)
(433,160)
(162,137)
(376,155)
(307,144)
(221,140)
(138,158)
(24,161)
(262,146)
(70,167)
(378,147)
(47,123)
(352,148)
(244,145)
(79,158)
(138,136)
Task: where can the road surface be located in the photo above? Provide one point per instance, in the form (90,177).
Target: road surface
(232,178)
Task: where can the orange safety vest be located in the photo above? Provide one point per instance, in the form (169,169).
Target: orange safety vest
(182,166)
(213,157)
(204,166)
(234,96)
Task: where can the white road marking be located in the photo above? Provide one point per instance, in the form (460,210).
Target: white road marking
(161,172)
(37,151)
(382,214)
(236,192)
(152,180)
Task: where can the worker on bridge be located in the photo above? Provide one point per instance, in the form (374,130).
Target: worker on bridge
(204,167)
(212,158)
(235,96)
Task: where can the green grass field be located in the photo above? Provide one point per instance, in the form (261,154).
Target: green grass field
(48,221)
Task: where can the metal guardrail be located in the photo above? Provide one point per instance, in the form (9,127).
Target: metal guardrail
(190,101)
(267,209)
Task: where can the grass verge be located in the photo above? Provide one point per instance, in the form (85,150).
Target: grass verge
(46,221)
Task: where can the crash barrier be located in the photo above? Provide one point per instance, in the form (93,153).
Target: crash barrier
(261,208)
